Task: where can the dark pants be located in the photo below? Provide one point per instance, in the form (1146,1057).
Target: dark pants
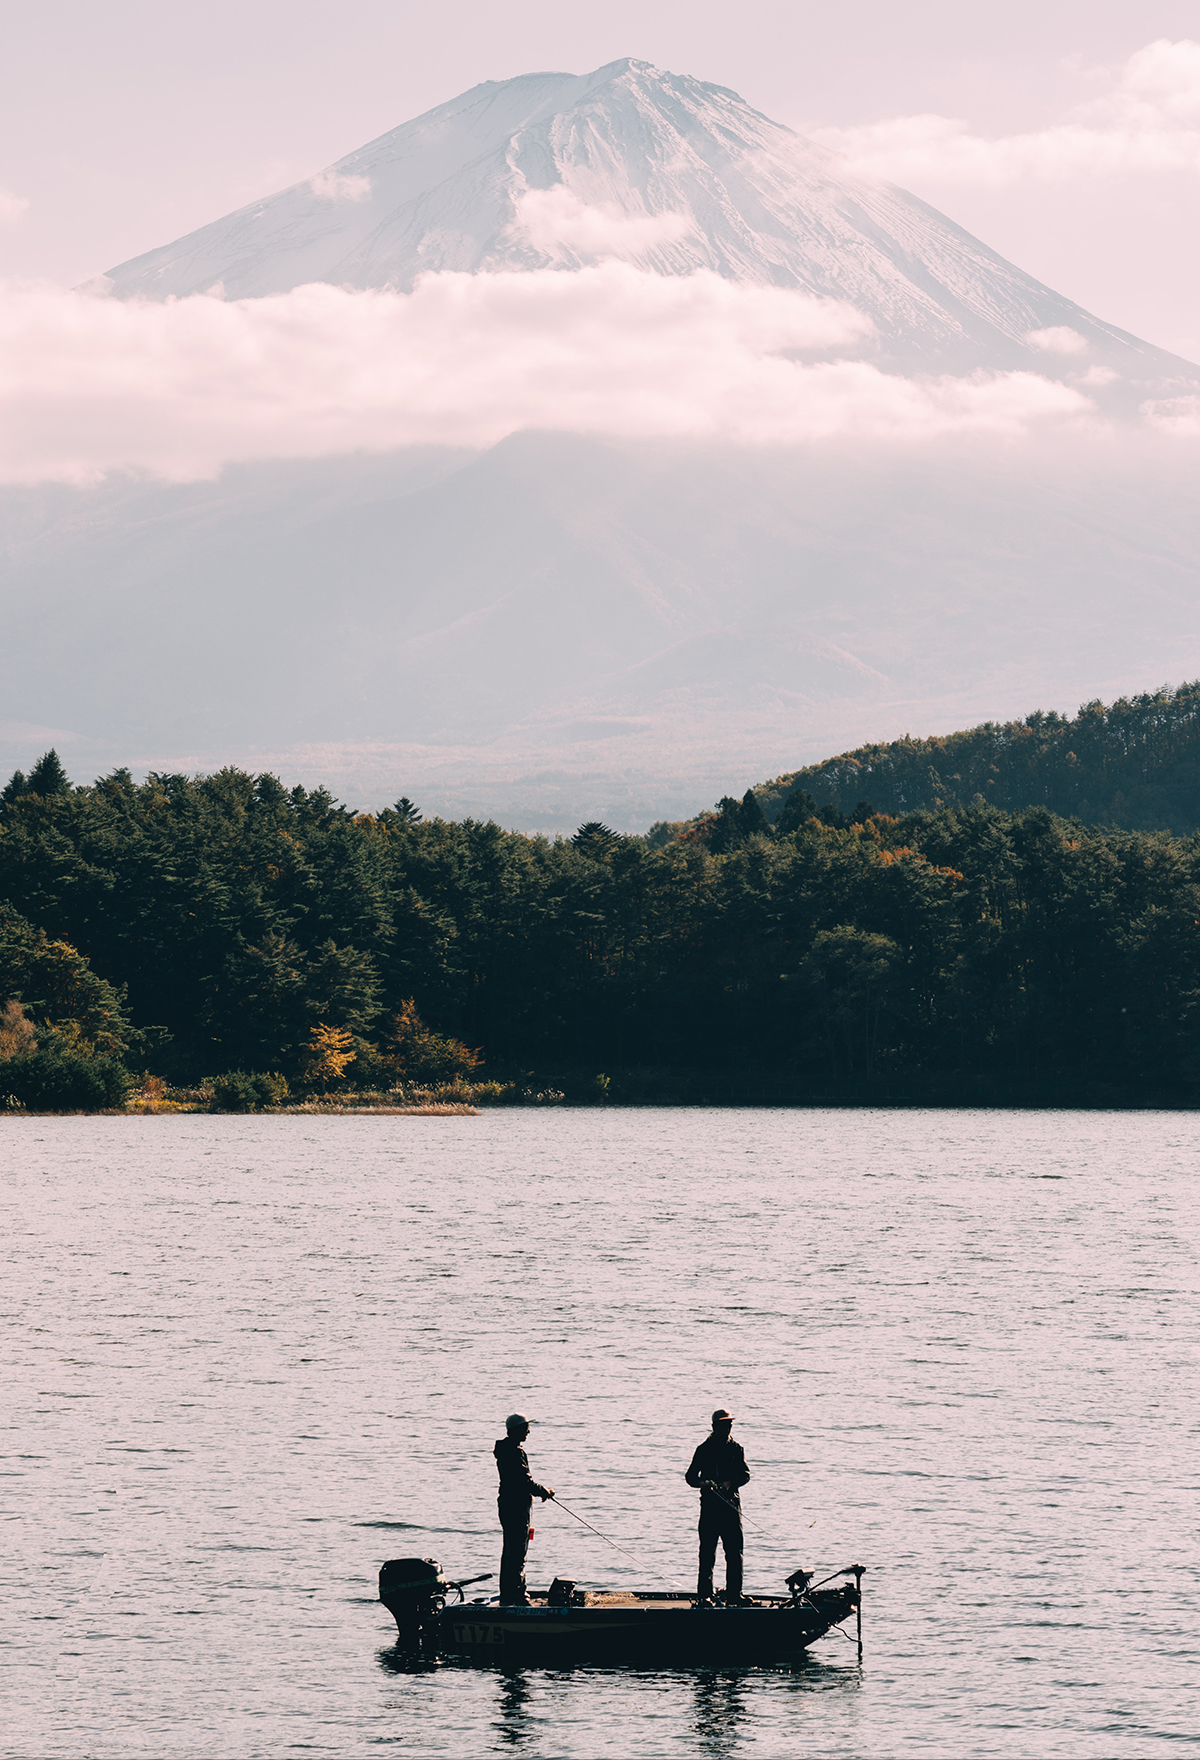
(719,1522)
(515,1523)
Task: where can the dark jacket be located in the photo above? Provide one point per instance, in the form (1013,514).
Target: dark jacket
(517,1486)
(721,1461)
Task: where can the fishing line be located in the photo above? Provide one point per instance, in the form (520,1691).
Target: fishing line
(811,1586)
(637,1561)
(738,1510)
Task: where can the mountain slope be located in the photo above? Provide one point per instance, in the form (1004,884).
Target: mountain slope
(664,171)
(560,629)
(1134,763)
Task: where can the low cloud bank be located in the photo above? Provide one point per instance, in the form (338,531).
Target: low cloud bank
(559,224)
(1146,120)
(90,384)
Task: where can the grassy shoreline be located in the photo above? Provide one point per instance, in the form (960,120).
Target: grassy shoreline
(657,1091)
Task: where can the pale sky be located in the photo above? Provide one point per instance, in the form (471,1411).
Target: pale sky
(124,126)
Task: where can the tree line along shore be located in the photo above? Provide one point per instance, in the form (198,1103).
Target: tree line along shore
(225,941)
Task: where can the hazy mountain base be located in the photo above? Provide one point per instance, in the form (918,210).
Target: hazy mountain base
(559,629)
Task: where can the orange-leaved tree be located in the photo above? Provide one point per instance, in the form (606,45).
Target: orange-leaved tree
(415,1054)
(330,1050)
(18,1035)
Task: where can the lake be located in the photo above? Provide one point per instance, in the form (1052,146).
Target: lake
(247,1359)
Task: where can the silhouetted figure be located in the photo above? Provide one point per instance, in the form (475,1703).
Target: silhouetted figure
(517,1491)
(717,1471)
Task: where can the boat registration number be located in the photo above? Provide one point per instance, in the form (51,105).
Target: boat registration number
(479,1634)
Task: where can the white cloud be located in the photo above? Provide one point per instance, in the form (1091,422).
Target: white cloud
(335,186)
(12,207)
(1179,416)
(1146,120)
(557,223)
(1059,339)
(92,384)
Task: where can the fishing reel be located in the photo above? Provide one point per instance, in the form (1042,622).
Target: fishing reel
(798,1582)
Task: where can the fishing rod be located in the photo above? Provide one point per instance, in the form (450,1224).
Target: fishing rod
(850,1570)
(605,1538)
(595,1531)
(855,1570)
(707,1485)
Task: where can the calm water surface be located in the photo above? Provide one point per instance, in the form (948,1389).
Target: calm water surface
(245,1360)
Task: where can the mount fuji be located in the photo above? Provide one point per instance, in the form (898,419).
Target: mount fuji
(560,627)
(554,170)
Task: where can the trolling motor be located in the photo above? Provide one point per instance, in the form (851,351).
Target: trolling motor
(414,1592)
(801,1582)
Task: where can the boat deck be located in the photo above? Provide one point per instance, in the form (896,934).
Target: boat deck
(664,1601)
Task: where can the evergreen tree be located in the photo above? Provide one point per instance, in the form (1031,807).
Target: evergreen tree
(14,788)
(48,776)
(752,821)
(595,839)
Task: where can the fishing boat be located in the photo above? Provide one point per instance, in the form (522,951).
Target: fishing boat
(566,1624)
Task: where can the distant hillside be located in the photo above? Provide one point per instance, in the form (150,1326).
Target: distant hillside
(1134,764)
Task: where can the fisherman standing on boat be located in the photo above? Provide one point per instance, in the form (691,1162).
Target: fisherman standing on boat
(717,1471)
(518,1488)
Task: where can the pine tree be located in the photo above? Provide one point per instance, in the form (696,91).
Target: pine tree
(48,776)
(595,839)
(752,821)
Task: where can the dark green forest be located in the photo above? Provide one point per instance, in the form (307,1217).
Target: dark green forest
(193,926)
(1134,764)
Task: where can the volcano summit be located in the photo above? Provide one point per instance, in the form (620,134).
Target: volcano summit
(555,170)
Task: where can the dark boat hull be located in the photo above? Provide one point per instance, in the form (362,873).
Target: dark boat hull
(569,1627)
(653,1633)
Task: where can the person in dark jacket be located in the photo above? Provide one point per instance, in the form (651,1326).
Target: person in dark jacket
(718,1471)
(518,1488)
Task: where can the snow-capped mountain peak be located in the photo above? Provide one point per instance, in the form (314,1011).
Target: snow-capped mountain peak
(667,172)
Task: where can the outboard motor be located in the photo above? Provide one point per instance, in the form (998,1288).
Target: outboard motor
(414,1592)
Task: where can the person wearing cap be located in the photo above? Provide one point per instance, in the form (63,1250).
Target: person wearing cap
(718,1471)
(518,1488)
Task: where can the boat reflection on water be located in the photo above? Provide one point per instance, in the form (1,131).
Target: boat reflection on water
(720,1712)
(512,1723)
(724,1706)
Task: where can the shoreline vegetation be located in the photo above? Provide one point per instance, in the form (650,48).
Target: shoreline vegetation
(223,943)
(642,1090)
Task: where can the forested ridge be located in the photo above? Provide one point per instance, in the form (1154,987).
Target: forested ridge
(221,923)
(1133,764)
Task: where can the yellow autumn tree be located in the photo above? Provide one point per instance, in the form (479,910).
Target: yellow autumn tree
(329,1052)
(415,1054)
(18,1037)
